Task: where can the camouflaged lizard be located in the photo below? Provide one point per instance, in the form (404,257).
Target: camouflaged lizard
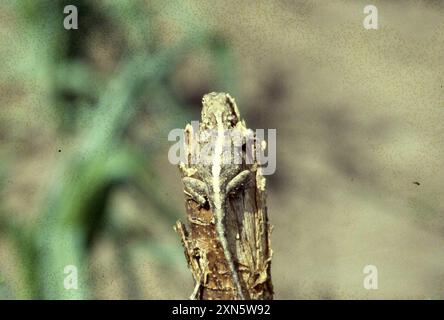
(217,178)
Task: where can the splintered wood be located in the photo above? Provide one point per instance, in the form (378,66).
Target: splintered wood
(246,226)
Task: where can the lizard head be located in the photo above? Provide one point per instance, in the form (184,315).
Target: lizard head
(219,105)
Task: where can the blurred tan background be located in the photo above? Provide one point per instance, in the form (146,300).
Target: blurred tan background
(360,146)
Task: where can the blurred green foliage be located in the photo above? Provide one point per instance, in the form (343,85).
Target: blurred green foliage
(95,108)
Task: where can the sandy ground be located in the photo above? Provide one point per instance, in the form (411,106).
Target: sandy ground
(359,119)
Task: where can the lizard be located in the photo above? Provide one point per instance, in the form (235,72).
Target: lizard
(217,179)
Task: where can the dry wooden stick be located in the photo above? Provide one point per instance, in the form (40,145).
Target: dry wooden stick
(227,240)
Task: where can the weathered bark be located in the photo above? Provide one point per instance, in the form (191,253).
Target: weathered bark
(248,234)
